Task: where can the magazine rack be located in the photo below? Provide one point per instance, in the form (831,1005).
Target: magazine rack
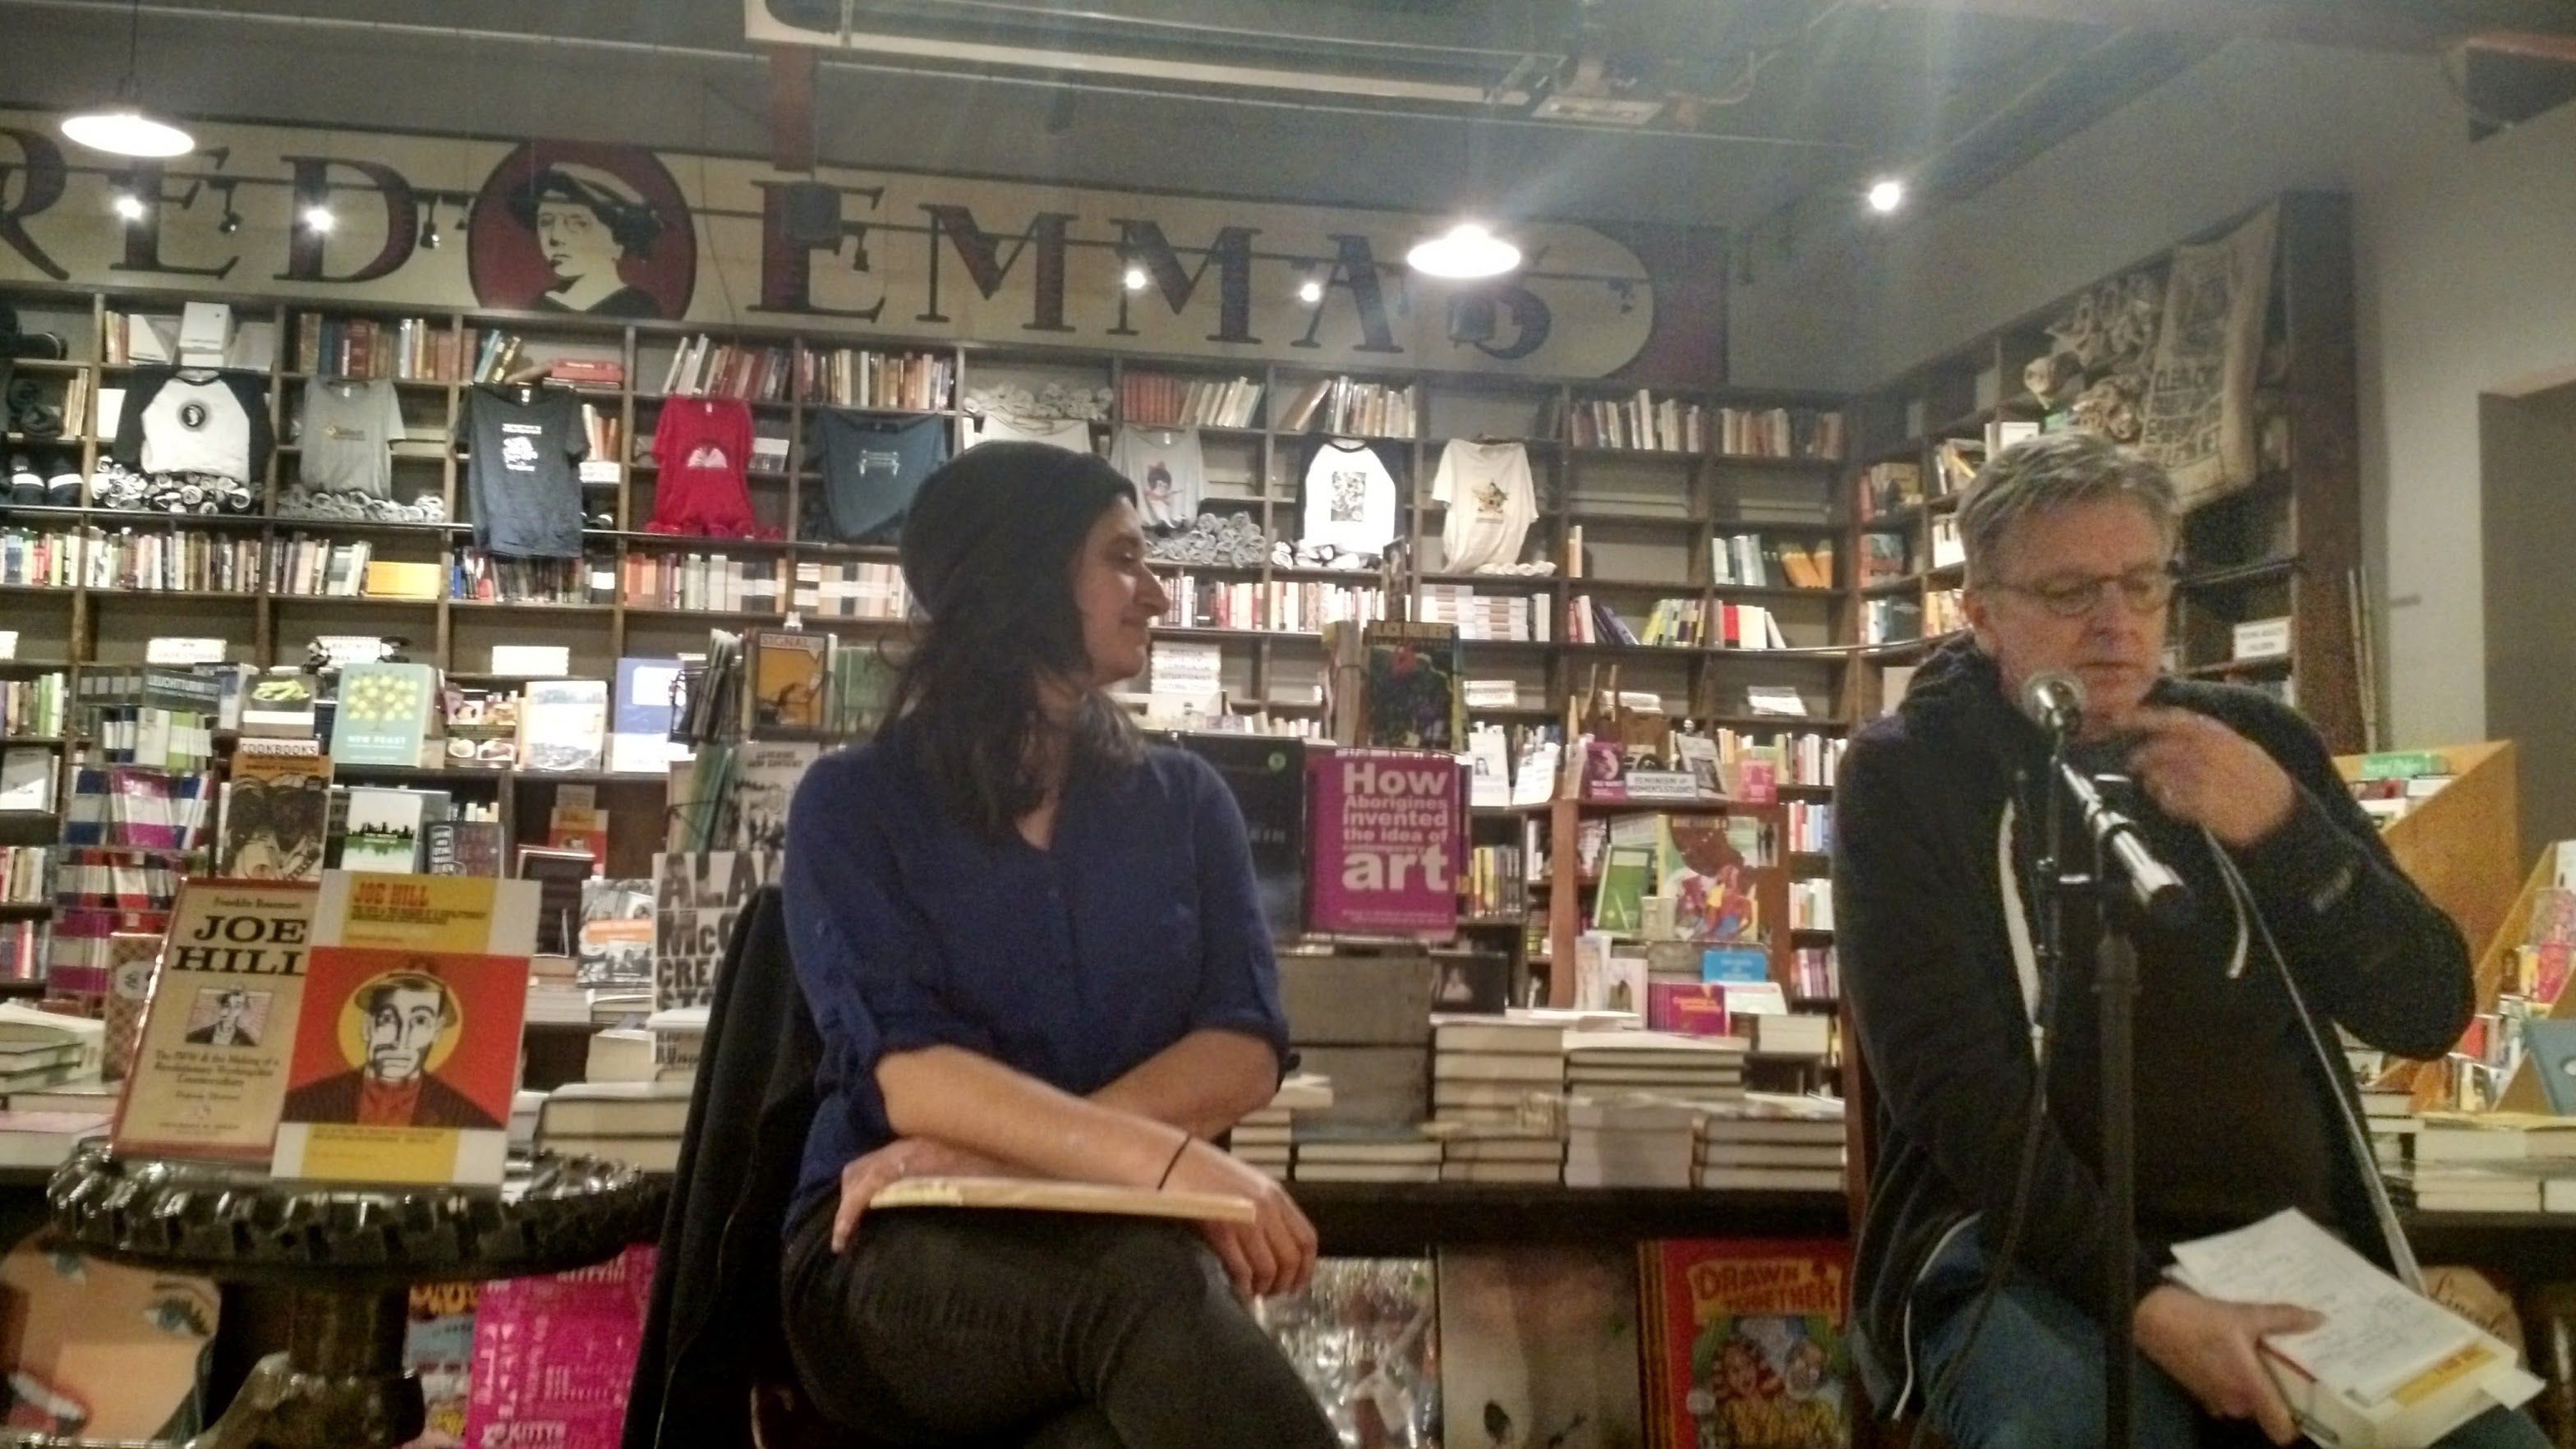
(347,1257)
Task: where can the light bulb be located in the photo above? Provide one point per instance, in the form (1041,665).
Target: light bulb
(1467,250)
(1886,195)
(1136,279)
(319,218)
(128,205)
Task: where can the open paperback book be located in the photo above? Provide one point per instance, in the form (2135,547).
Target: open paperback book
(2389,1369)
(1029,1194)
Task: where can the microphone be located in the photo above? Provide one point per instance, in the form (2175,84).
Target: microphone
(2055,700)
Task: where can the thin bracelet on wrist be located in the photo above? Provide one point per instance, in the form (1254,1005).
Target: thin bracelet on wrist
(1186,1140)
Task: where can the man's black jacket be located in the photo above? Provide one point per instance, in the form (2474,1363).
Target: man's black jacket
(2236,1114)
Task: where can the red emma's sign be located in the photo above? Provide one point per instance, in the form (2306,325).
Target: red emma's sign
(616,231)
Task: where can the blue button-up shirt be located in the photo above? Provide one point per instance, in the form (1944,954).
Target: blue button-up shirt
(1074,964)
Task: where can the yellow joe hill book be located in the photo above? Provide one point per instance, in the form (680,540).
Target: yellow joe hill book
(408,1051)
(210,1069)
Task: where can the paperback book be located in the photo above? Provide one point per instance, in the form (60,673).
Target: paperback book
(384,713)
(697,900)
(1745,1343)
(276,817)
(404,1064)
(1539,1346)
(211,1067)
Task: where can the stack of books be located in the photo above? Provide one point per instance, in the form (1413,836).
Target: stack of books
(1496,1072)
(1629,1141)
(1665,1064)
(634,1122)
(1349,1156)
(2505,1162)
(1526,1155)
(1772,1143)
(2390,1116)
(1267,1139)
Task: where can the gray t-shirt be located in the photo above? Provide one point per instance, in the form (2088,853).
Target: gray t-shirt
(1168,468)
(347,434)
(525,490)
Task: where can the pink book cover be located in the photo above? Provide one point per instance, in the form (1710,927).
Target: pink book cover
(1388,833)
(1695,1008)
(553,1357)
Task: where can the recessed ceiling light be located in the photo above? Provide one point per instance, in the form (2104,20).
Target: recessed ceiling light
(1136,279)
(319,218)
(1886,195)
(1310,291)
(1467,250)
(128,205)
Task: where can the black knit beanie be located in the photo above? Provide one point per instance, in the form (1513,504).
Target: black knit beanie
(998,509)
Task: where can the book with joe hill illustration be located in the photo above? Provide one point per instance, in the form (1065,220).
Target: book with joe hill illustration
(408,1050)
(210,1071)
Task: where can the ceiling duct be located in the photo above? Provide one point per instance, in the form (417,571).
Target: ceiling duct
(1435,57)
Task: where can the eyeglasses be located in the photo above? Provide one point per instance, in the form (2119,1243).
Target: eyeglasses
(2143,590)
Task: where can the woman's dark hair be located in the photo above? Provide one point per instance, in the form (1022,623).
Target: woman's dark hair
(632,224)
(988,552)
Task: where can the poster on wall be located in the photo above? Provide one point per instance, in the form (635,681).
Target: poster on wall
(626,234)
(2197,414)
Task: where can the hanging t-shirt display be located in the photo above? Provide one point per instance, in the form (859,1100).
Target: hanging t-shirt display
(1491,503)
(1350,499)
(347,433)
(523,442)
(1168,469)
(702,447)
(195,421)
(1069,433)
(872,465)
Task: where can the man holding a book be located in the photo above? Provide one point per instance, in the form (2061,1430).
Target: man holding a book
(2244,1107)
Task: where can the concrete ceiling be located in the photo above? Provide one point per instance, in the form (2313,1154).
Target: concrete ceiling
(1806,99)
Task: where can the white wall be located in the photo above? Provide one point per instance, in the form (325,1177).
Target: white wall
(2467,282)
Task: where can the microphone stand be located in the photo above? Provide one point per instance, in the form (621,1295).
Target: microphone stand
(2115,983)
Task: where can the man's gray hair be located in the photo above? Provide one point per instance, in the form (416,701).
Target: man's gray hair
(2051,471)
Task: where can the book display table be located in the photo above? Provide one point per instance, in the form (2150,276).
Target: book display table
(347,1257)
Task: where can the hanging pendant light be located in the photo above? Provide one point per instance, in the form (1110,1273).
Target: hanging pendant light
(1468,250)
(1465,251)
(123,127)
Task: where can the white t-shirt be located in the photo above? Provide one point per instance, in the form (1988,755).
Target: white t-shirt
(1350,499)
(1168,468)
(1491,503)
(1072,434)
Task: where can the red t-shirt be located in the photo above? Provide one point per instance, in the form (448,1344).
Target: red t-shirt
(703,445)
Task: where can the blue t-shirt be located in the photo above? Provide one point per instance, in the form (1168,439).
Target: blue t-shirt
(1073,964)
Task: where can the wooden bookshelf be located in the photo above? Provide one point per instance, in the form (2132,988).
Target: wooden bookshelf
(1646,518)
(2286,545)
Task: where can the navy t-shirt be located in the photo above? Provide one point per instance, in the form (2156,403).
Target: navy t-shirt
(1073,964)
(872,466)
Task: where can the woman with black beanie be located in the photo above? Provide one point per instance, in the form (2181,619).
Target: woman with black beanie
(1032,947)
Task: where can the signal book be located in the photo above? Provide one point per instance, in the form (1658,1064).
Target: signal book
(790,669)
(403,1067)
(210,1072)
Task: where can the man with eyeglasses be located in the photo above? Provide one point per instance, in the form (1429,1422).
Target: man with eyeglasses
(2070,543)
